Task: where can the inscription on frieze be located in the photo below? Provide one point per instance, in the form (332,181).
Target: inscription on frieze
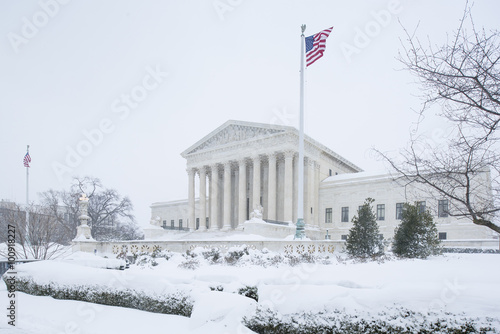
(235,133)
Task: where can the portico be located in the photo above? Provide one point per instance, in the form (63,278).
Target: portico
(251,165)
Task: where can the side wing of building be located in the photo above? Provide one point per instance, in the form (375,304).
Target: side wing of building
(341,196)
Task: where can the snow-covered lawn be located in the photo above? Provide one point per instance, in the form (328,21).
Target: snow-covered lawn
(467,285)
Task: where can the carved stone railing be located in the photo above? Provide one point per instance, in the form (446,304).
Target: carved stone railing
(139,246)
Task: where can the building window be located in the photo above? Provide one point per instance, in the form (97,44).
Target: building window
(443,208)
(380,211)
(328,215)
(421,206)
(343,237)
(442,236)
(180,224)
(330,172)
(197,223)
(207,222)
(164,224)
(345,214)
(172,224)
(399,211)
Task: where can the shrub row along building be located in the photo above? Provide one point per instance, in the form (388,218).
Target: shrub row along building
(243,169)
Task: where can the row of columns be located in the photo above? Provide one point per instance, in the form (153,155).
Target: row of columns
(212,172)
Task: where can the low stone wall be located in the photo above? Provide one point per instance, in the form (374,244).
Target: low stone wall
(181,246)
(281,246)
(486,243)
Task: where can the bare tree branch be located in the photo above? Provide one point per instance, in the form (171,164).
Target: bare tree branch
(463,77)
(41,241)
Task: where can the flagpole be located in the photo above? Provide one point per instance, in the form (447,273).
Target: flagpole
(27,197)
(299,231)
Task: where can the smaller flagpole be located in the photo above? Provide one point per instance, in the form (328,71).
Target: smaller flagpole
(299,231)
(27,178)
(27,196)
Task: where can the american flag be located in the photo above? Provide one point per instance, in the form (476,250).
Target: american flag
(316,45)
(27,159)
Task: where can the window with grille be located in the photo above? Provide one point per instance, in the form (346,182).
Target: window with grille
(345,214)
(328,215)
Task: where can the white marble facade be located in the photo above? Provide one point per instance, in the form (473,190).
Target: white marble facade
(349,191)
(241,166)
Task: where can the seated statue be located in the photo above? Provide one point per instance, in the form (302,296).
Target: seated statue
(257,212)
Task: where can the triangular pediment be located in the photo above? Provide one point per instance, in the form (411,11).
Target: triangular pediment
(234,132)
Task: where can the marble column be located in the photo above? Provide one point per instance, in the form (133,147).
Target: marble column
(306,206)
(317,169)
(242,191)
(214,187)
(191,212)
(256,182)
(288,187)
(271,190)
(203,198)
(310,185)
(295,189)
(209,199)
(227,197)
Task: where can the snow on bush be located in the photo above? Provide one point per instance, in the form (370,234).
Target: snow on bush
(244,256)
(177,303)
(250,292)
(397,320)
(145,259)
(213,256)
(235,254)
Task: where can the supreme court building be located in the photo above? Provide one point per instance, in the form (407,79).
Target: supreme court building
(243,168)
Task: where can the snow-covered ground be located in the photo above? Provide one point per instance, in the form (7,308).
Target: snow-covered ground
(463,284)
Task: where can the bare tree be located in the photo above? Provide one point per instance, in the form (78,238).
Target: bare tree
(463,77)
(42,240)
(110,214)
(64,210)
(85,185)
(460,171)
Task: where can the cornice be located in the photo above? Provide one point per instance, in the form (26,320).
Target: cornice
(279,139)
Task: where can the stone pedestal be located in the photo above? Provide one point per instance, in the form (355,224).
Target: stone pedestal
(83,232)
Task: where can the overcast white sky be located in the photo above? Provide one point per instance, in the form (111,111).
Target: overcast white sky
(66,68)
